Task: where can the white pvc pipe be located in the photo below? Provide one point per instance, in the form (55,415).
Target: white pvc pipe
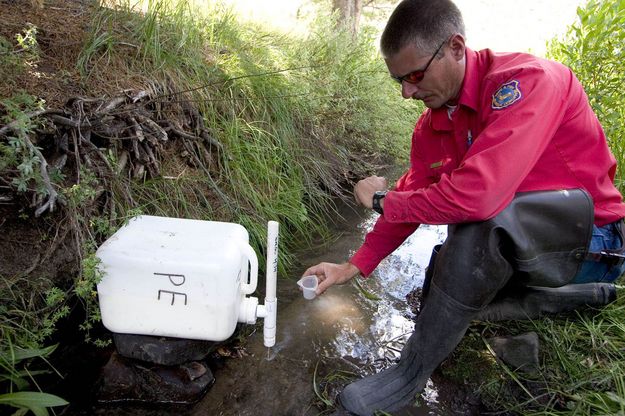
(271,303)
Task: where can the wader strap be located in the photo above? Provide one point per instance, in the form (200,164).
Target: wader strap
(614,257)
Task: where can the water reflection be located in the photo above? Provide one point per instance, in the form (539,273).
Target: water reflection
(373,333)
(389,320)
(340,330)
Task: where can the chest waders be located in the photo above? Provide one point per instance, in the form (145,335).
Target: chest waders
(540,239)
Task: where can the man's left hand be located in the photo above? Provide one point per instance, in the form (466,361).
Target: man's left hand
(364,189)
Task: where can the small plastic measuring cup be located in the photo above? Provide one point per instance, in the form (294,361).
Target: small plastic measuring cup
(309,286)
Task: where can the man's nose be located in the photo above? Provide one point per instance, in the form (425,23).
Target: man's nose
(408,90)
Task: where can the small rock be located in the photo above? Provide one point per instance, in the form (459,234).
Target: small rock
(194,370)
(124,379)
(520,352)
(161,350)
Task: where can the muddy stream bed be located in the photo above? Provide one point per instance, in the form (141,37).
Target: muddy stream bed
(335,337)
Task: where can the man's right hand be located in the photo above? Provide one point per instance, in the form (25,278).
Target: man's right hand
(332,274)
(365,188)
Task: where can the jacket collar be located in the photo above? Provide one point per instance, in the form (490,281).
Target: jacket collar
(469,93)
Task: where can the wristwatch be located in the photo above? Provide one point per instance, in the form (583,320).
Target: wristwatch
(378,196)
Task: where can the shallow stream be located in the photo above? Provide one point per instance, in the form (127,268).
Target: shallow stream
(321,344)
(339,332)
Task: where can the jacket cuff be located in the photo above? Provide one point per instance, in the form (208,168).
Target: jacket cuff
(365,261)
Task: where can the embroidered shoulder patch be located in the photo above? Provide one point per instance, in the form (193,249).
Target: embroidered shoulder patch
(508,94)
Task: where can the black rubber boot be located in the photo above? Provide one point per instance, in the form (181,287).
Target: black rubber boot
(439,328)
(450,306)
(429,271)
(533,302)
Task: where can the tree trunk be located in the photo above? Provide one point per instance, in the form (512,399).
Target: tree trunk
(349,13)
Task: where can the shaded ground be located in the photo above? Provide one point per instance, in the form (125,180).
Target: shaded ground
(61,31)
(328,341)
(51,75)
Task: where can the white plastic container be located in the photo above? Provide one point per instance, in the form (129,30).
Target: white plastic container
(180,278)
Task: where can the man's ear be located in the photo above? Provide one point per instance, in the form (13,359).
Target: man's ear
(457,46)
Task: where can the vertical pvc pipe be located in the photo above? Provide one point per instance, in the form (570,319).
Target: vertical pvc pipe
(271,303)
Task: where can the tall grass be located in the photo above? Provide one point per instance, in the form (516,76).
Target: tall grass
(593,49)
(298,118)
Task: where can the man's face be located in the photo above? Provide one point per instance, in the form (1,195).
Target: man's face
(442,79)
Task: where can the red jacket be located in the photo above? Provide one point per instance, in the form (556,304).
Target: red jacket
(522,124)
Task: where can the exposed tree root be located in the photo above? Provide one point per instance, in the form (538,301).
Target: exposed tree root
(130,130)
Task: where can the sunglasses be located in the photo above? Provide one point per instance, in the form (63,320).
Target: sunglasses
(417,76)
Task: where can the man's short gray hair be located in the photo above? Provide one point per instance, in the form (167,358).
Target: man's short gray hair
(424,23)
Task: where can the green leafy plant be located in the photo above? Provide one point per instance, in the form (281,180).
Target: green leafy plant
(15,55)
(27,41)
(85,289)
(14,377)
(593,49)
(18,160)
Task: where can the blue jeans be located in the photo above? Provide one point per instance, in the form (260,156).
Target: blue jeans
(603,238)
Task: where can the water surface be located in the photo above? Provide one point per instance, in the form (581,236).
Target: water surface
(336,333)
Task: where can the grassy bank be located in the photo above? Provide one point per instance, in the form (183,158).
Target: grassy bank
(279,127)
(297,118)
(580,371)
(261,126)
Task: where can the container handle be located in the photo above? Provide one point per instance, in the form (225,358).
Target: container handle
(250,254)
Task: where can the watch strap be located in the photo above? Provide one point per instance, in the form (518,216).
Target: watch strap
(377,202)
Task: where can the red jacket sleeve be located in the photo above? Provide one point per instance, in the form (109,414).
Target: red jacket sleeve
(506,150)
(386,236)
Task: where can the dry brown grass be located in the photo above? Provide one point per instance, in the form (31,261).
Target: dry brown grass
(62,29)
